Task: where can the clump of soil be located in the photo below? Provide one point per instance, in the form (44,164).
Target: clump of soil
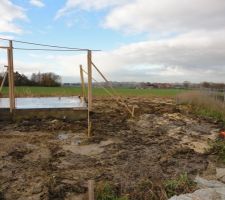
(53,159)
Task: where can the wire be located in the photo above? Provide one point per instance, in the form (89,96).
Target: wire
(107,91)
(27,49)
(47,45)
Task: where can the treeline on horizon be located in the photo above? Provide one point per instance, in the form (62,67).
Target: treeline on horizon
(49,79)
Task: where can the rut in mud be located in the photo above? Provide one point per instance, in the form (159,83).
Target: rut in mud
(53,159)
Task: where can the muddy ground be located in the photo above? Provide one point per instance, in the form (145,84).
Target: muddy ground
(53,159)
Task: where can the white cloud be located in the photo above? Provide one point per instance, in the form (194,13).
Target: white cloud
(196,56)
(88,5)
(37,3)
(151,16)
(164,16)
(9,13)
(189,42)
(7,37)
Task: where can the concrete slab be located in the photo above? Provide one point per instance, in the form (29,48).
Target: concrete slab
(72,108)
(45,102)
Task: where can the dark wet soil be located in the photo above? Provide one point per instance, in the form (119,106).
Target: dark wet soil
(53,159)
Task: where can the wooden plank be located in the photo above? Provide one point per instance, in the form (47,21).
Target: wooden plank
(9,80)
(118,99)
(115,93)
(82,82)
(100,72)
(11,74)
(91,190)
(12,71)
(89,64)
(4,47)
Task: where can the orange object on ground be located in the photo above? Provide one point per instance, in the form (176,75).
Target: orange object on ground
(222,134)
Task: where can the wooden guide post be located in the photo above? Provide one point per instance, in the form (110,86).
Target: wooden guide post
(12,100)
(89,64)
(9,80)
(91,190)
(82,82)
(11,77)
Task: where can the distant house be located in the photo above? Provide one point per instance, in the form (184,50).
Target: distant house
(71,84)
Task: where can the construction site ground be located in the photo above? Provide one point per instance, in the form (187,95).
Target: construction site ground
(54,159)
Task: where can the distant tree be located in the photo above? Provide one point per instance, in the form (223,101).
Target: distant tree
(21,79)
(205,85)
(39,79)
(46,79)
(218,86)
(186,84)
(50,79)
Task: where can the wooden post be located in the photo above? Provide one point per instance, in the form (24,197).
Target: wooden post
(133,109)
(82,82)
(11,76)
(91,190)
(9,80)
(89,64)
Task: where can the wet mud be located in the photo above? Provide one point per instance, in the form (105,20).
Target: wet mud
(53,159)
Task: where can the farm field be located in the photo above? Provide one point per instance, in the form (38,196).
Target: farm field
(154,155)
(70,91)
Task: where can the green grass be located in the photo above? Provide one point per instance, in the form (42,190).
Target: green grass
(104,191)
(181,185)
(206,112)
(203,105)
(218,148)
(68,91)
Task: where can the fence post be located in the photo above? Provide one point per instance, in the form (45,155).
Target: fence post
(91,189)
(89,63)
(11,76)
(82,82)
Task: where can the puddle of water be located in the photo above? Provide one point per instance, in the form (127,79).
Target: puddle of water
(63,136)
(89,150)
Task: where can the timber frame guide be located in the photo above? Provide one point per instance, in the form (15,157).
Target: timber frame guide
(90,66)
(10,72)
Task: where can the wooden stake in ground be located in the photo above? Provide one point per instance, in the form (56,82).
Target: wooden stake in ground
(89,64)
(91,189)
(11,76)
(82,82)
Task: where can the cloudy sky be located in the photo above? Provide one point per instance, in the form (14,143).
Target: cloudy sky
(141,40)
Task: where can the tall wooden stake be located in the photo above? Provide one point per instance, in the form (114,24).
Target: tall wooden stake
(91,188)
(89,64)
(82,82)
(11,76)
(12,72)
